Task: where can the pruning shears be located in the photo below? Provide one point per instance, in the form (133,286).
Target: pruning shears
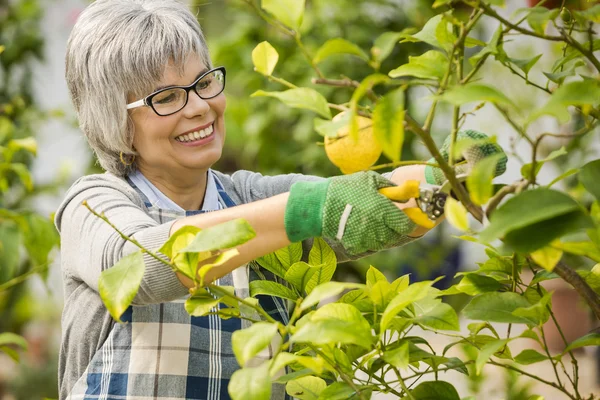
(430,199)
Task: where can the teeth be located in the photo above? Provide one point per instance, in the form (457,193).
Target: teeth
(190,137)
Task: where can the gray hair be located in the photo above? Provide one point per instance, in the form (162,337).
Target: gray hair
(120,49)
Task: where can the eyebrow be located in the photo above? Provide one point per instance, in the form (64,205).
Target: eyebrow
(202,72)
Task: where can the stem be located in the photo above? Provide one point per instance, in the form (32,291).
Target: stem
(344,377)
(489,11)
(516,127)
(307,55)
(282,81)
(550,356)
(129,239)
(401,163)
(581,286)
(506,190)
(258,309)
(403,385)
(459,189)
(586,52)
(22,278)
(552,384)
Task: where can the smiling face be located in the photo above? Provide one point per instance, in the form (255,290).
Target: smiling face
(187,142)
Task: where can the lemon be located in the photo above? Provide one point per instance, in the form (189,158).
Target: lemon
(352,156)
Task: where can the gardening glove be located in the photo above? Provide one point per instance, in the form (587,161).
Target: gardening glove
(470,156)
(347,210)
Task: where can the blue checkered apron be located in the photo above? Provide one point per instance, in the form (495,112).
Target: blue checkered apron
(162,353)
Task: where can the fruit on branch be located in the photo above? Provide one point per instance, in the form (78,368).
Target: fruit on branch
(349,155)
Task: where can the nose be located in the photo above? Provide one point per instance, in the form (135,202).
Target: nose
(196,106)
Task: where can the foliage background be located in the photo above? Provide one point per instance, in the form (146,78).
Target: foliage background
(263,135)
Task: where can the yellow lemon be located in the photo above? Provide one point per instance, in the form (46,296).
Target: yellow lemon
(352,156)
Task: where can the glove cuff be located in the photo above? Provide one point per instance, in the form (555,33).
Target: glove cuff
(433,175)
(304,210)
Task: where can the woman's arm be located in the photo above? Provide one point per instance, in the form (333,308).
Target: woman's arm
(267,218)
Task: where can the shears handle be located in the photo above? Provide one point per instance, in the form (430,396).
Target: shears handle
(404,192)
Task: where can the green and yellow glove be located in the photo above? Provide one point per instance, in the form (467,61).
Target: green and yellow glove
(472,155)
(348,210)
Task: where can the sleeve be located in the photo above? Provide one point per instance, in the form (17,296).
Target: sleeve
(89,245)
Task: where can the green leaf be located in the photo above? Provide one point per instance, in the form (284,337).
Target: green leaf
(579,93)
(223,236)
(496,307)
(456,214)
(590,177)
(250,384)
(247,343)
(525,65)
(186,263)
(12,339)
(304,98)
(414,292)
(474,284)
(270,288)
(323,256)
(326,290)
(328,128)
(426,34)
(541,204)
(527,357)
(435,390)
(338,391)
(299,274)
(441,317)
(335,323)
(475,92)
(490,48)
(179,240)
(539,17)
(384,45)
(306,388)
(23,173)
(435,32)
(563,176)
(430,65)
(479,181)
(367,84)
(536,236)
(526,169)
(374,276)
(119,284)
(289,12)
(591,339)
(264,57)
(290,255)
(271,263)
(547,257)
(200,303)
(379,293)
(316,364)
(388,123)
(398,357)
(487,351)
(538,313)
(339,46)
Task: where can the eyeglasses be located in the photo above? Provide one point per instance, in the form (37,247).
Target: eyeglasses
(172,99)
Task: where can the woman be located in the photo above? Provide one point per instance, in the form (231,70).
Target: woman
(151,106)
